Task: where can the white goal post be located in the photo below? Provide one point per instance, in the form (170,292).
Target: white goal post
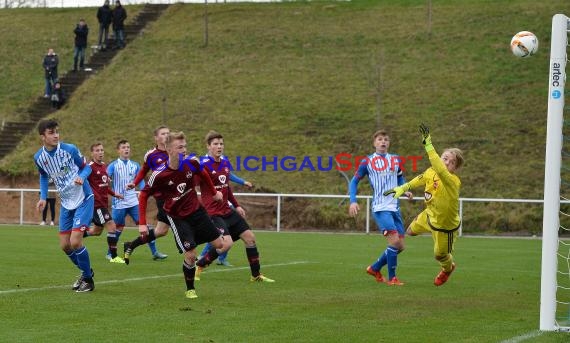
(552,179)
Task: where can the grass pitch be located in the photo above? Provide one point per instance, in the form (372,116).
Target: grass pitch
(321,293)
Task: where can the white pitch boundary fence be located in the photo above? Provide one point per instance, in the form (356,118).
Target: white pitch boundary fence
(280,196)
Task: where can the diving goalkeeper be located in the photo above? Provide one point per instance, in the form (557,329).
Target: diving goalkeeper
(441,192)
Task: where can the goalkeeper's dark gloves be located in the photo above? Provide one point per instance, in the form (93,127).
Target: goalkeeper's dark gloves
(398,191)
(424,130)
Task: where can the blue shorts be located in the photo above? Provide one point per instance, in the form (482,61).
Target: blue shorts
(389,221)
(78,219)
(120,214)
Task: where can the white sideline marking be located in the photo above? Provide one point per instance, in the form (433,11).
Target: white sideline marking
(524,337)
(20,290)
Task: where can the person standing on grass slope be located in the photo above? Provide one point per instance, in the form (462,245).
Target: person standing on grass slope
(119,16)
(50,64)
(81,32)
(69,170)
(384,172)
(189,221)
(99,181)
(230,220)
(122,172)
(104,17)
(154,159)
(441,191)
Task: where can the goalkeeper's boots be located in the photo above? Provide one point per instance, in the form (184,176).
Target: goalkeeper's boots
(395,282)
(128,251)
(261,278)
(442,277)
(377,275)
(197,273)
(191,294)
(117,259)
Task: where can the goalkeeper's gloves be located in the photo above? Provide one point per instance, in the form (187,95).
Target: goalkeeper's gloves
(398,191)
(424,130)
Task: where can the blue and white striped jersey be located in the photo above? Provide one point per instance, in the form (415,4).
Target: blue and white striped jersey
(121,173)
(63,165)
(384,173)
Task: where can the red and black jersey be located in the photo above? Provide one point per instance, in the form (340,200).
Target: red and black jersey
(176,188)
(99,182)
(154,160)
(219,173)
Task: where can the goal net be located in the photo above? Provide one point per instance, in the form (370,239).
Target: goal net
(555,276)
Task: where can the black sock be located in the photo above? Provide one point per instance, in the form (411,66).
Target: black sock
(253,258)
(208,258)
(143,239)
(189,272)
(112,242)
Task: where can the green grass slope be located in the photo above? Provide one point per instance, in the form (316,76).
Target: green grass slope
(304,79)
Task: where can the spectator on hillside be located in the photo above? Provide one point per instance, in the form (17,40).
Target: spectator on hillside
(105,17)
(119,16)
(57,96)
(81,31)
(50,70)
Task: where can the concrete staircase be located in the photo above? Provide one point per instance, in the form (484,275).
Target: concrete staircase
(13,131)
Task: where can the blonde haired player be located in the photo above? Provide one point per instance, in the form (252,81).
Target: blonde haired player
(441,215)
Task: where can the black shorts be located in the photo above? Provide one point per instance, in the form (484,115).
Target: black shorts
(101,216)
(233,224)
(193,230)
(161,215)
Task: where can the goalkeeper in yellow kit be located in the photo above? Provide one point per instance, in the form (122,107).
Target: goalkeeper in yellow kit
(441,215)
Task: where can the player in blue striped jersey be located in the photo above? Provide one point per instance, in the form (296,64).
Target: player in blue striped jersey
(122,172)
(69,170)
(384,172)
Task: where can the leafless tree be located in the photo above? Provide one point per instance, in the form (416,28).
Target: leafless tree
(429,16)
(378,85)
(24,3)
(205,23)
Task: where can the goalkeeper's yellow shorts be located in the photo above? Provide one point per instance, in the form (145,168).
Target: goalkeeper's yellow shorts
(444,240)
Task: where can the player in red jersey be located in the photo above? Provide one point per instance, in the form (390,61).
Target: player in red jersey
(230,220)
(189,221)
(99,182)
(155,159)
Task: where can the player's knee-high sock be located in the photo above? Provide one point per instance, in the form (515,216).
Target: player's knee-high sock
(223,256)
(83,262)
(392,258)
(143,239)
(152,246)
(189,272)
(72,256)
(446,262)
(152,242)
(112,242)
(253,258)
(381,261)
(118,232)
(207,248)
(208,257)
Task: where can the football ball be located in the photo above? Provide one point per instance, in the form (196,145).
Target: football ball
(524,44)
